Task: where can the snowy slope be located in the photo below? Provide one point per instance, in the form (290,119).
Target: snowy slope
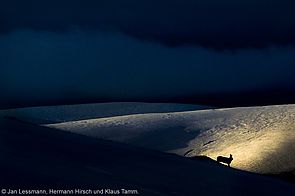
(54,114)
(44,158)
(261,139)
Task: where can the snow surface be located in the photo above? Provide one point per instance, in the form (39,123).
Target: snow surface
(36,157)
(62,113)
(261,139)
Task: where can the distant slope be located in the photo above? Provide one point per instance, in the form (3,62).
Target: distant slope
(40,157)
(261,139)
(55,114)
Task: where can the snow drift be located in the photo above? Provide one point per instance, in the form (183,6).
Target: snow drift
(261,139)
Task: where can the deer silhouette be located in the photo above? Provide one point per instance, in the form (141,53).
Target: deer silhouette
(221,159)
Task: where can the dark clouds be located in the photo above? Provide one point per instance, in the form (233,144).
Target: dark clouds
(53,66)
(61,51)
(227,24)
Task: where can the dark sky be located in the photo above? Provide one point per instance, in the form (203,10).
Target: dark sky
(209,52)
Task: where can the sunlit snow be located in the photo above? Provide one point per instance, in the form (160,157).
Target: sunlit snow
(261,139)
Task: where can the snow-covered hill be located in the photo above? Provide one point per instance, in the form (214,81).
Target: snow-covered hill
(261,139)
(62,113)
(35,157)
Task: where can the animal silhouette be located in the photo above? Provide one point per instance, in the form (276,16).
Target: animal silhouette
(221,159)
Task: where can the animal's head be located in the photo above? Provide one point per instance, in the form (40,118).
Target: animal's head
(231,156)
